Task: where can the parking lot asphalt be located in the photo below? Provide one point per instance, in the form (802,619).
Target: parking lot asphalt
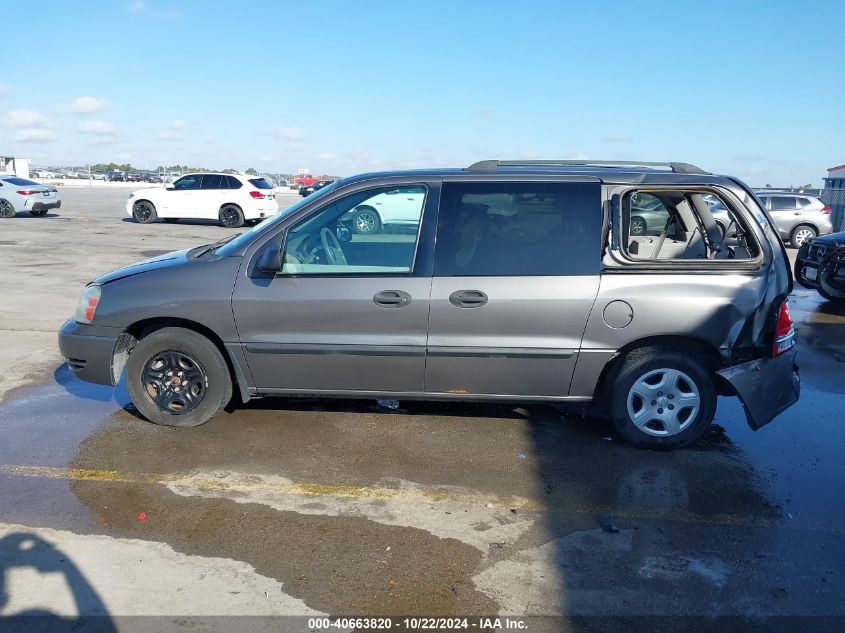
(287,506)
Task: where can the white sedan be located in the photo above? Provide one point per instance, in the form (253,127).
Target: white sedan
(20,194)
(231,199)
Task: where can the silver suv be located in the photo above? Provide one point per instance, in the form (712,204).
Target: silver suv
(516,281)
(798,216)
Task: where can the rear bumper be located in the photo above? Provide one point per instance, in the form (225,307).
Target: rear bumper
(31,205)
(766,387)
(89,351)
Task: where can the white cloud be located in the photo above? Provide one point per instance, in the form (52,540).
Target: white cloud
(87,105)
(97,128)
(26,118)
(34,135)
(327,156)
(124,156)
(287,133)
(137,6)
(173,132)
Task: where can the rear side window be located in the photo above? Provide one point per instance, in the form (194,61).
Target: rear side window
(260,183)
(783,203)
(212,181)
(805,202)
(232,183)
(518,229)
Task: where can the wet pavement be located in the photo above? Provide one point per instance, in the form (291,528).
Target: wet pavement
(457,509)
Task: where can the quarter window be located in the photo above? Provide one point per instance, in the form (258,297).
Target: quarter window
(367,232)
(678,225)
(232,183)
(508,229)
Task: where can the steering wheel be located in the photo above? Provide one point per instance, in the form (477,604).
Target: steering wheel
(331,245)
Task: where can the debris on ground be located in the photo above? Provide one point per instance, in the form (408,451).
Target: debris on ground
(608,524)
(520,455)
(141,516)
(489,505)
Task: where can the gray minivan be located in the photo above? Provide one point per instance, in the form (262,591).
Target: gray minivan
(519,281)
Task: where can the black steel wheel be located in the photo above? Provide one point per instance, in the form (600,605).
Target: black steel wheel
(231,216)
(144,212)
(177,377)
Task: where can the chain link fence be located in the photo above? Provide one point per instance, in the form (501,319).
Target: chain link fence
(835,197)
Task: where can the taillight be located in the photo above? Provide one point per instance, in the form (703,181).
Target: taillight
(784,331)
(26,192)
(257,195)
(827,210)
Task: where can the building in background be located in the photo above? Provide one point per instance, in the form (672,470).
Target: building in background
(834,195)
(17,166)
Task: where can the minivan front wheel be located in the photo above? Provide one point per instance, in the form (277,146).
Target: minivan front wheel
(177,377)
(661,399)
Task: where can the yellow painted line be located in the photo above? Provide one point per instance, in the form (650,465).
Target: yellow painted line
(249,485)
(256,485)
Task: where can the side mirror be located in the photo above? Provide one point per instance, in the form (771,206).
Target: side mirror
(170,188)
(270,259)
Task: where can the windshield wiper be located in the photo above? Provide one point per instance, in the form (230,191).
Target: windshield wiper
(210,247)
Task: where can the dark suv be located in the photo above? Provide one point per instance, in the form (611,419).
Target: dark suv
(518,281)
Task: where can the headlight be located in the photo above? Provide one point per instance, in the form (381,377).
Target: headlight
(88,304)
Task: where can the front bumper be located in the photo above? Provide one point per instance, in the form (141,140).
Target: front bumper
(766,386)
(89,350)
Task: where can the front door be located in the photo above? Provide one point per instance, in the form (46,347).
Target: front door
(346,311)
(180,200)
(516,271)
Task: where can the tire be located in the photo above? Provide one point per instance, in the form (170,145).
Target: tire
(366,221)
(171,220)
(643,370)
(231,216)
(197,357)
(638,225)
(796,270)
(800,234)
(40,213)
(144,212)
(7,210)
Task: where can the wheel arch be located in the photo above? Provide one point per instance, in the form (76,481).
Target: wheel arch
(688,344)
(138,330)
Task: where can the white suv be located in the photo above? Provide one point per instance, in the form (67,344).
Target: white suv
(232,199)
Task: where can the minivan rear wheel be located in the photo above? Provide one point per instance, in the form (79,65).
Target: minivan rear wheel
(662,399)
(177,377)
(801,234)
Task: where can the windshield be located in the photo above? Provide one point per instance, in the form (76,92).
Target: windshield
(244,238)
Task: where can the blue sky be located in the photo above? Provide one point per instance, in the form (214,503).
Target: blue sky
(740,87)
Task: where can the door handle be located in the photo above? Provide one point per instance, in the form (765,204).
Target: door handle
(467,298)
(392,299)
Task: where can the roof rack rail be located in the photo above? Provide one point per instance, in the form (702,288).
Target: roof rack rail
(492,165)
